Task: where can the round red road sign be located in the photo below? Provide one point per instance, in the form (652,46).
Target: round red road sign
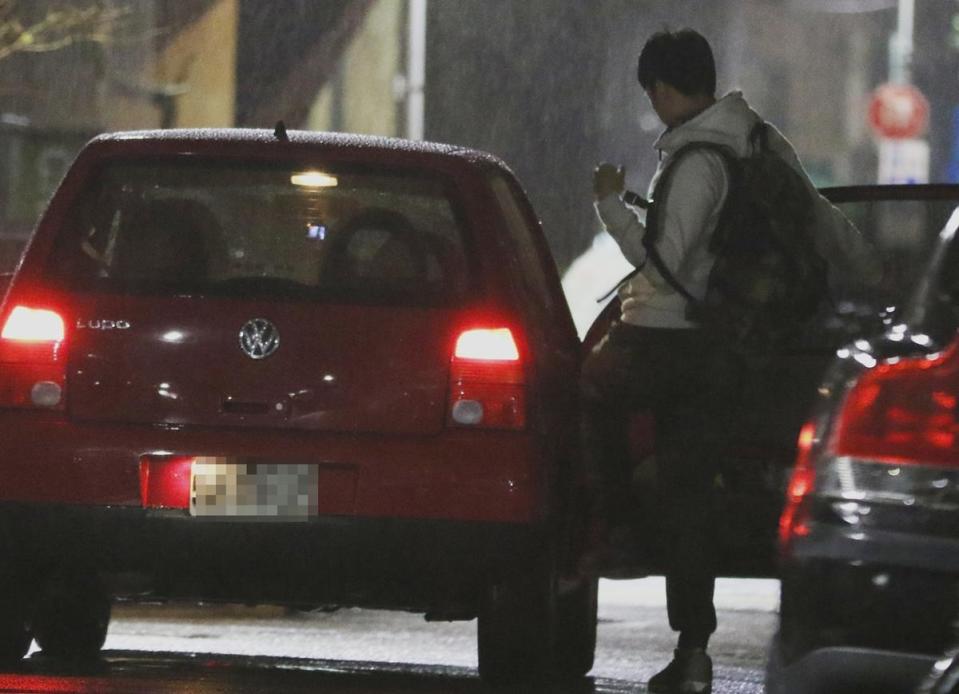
(898,111)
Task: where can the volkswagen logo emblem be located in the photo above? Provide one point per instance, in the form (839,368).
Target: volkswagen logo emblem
(259,338)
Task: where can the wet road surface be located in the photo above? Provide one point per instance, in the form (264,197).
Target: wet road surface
(188,648)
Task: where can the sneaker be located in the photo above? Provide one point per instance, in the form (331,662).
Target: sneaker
(689,672)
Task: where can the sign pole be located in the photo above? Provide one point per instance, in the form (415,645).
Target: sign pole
(899,113)
(901,44)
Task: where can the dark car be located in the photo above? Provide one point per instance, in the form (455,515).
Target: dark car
(869,536)
(307,369)
(943,677)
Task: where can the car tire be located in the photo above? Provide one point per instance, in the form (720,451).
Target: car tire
(15,634)
(576,618)
(517,627)
(71,617)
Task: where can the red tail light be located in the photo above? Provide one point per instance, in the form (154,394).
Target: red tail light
(25,324)
(903,413)
(32,359)
(487,380)
(801,483)
(487,344)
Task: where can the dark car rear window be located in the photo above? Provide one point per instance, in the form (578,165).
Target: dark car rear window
(904,230)
(265,231)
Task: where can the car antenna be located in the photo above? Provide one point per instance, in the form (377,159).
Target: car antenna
(279,132)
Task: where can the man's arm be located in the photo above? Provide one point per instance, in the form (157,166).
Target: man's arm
(688,214)
(620,221)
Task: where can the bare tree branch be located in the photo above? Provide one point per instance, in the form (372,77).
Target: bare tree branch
(64,23)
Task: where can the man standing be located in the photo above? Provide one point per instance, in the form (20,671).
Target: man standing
(655,358)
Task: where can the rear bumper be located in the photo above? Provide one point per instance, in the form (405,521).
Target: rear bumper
(492,476)
(865,606)
(419,565)
(861,613)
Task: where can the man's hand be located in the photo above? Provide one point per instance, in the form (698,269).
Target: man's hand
(608,178)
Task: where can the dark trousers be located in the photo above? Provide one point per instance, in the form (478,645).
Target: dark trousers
(681,377)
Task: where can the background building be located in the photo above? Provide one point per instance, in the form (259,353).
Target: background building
(548,85)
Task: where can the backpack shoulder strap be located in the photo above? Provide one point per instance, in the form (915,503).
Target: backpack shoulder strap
(759,136)
(651,238)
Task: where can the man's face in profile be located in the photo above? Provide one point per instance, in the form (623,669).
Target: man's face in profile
(664,101)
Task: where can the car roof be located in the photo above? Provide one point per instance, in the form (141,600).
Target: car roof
(212,140)
(891,191)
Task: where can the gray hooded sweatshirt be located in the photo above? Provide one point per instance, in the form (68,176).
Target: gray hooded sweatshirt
(691,211)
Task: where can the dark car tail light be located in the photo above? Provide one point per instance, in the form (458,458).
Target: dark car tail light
(903,413)
(32,357)
(893,443)
(801,483)
(487,380)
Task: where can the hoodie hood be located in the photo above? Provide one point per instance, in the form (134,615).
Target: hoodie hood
(727,122)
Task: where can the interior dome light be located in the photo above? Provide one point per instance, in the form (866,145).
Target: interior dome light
(314,179)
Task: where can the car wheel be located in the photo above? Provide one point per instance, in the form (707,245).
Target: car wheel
(14,632)
(576,629)
(516,631)
(71,617)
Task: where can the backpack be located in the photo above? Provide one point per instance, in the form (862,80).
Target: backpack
(768,279)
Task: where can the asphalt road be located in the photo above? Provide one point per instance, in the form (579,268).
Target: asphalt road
(200,649)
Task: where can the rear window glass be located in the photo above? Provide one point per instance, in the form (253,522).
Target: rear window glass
(256,231)
(904,231)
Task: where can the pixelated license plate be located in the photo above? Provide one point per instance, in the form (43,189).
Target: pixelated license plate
(242,488)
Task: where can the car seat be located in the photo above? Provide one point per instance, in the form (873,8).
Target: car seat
(165,241)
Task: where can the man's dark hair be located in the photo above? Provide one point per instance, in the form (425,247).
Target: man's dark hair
(681,59)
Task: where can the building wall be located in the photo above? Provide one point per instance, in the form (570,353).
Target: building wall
(202,58)
(123,101)
(809,72)
(362,97)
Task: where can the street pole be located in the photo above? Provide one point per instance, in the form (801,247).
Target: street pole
(416,70)
(901,44)
(903,155)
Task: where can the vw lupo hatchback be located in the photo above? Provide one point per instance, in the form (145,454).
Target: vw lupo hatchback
(306,369)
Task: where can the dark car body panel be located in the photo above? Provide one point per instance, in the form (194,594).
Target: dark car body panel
(851,670)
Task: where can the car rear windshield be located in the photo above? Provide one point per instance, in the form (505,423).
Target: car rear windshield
(904,231)
(903,226)
(265,231)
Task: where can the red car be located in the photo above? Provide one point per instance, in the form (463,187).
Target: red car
(306,369)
